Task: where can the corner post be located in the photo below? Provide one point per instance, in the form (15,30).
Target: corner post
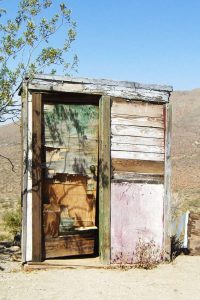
(37,178)
(167,181)
(104,180)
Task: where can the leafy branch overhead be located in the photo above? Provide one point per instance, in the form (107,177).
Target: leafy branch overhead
(37,40)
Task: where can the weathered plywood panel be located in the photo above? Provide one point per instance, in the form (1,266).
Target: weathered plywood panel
(136,212)
(77,194)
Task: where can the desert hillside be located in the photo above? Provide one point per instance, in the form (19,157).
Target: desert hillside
(186,149)
(9,180)
(185,156)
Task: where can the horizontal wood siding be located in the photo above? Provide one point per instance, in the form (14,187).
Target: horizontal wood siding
(137,131)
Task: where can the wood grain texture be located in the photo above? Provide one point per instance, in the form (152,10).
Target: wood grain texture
(77,244)
(135,93)
(167,184)
(24,162)
(135,140)
(77,194)
(137,131)
(37,178)
(104,180)
(71,138)
(137,177)
(121,107)
(136,148)
(131,120)
(138,166)
(130,84)
(148,132)
(137,155)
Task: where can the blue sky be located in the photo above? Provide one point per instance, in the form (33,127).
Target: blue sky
(149,41)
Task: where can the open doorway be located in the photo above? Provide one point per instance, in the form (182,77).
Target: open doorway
(70,139)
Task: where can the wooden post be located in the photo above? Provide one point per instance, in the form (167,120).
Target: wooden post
(24,161)
(37,179)
(167,183)
(104,180)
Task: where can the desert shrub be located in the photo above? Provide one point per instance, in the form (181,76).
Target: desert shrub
(147,254)
(12,221)
(124,261)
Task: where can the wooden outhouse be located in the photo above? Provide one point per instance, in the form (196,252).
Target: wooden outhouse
(96,167)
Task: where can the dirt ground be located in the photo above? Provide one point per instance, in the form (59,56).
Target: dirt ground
(178,280)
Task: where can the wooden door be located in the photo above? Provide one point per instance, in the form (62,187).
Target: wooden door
(70,148)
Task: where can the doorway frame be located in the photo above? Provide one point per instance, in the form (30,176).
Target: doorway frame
(104,172)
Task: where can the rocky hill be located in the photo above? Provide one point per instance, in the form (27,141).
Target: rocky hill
(185,156)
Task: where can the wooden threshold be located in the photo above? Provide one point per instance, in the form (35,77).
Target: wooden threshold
(68,263)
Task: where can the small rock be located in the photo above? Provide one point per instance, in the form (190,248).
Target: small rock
(14,248)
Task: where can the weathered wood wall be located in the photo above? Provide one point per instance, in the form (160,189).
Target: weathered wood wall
(137,189)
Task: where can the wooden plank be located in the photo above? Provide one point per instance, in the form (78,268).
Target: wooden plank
(119,119)
(129,84)
(167,185)
(37,178)
(96,89)
(136,109)
(104,180)
(137,177)
(135,140)
(72,164)
(140,166)
(24,162)
(29,239)
(136,148)
(75,144)
(137,155)
(79,244)
(137,131)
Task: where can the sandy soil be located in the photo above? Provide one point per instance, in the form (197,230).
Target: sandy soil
(179,280)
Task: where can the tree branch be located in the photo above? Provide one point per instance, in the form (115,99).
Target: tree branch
(8,159)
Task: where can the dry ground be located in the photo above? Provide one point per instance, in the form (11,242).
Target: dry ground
(178,280)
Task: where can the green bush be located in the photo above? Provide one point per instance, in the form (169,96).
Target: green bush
(12,220)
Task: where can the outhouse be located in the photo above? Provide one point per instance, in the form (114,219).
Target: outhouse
(96,167)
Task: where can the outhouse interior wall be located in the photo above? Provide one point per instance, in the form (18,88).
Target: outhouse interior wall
(137,180)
